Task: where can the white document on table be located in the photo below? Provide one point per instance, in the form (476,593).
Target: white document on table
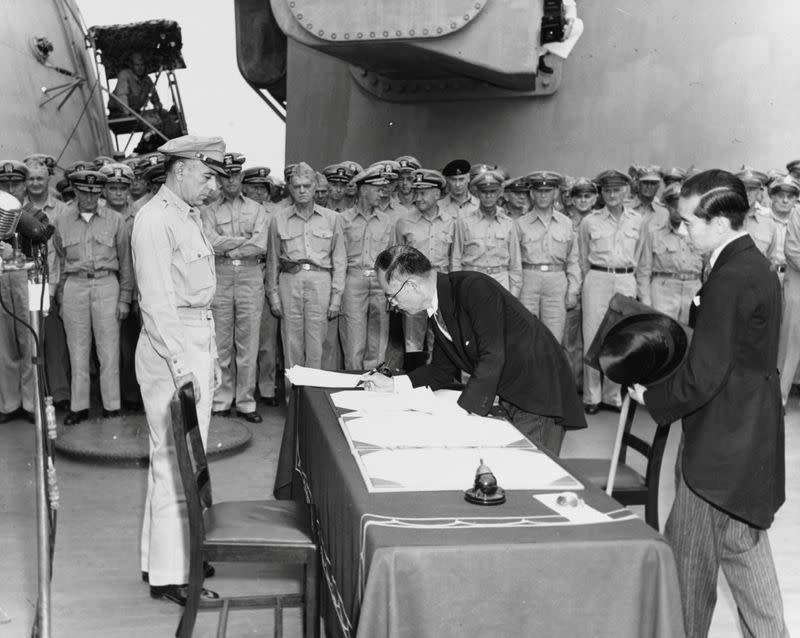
(421,430)
(446,469)
(300,375)
(581,513)
(420,399)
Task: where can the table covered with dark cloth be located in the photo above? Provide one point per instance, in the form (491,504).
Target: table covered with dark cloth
(429,564)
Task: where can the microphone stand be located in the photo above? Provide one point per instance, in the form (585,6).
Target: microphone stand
(38,289)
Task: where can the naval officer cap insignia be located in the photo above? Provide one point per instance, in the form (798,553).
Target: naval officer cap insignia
(101,160)
(338,173)
(583,185)
(517,185)
(256,175)
(390,168)
(41,159)
(88,181)
(118,173)
(752,178)
(408,164)
(487,181)
(671,193)
(545,180)
(785,184)
(155,168)
(612,177)
(13,171)
(80,165)
(233,162)
(287,171)
(375,175)
(456,167)
(427,178)
(209,150)
(793,166)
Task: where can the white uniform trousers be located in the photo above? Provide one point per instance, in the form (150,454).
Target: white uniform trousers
(16,345)
(305,298)
(364,322)
(598,289)
(165,531)
(237,307)
(89,309)
(544,294)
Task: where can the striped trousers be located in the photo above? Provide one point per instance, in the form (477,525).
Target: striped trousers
(705,539)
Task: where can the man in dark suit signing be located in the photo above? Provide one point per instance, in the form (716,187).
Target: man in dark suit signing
(727,392)
(482,329)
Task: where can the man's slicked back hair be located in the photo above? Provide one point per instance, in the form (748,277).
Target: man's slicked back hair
(722,194)
(401,261)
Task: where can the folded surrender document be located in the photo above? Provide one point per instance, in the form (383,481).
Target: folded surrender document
(299,375)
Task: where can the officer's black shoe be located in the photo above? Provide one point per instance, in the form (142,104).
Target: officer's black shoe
(250,417)
(611,407)
(5,417)
(177,593)
(270,401)
(28,416)
(222,412)
(208,572)
(62,405)
(73,418)
(591,408)
(132,406)
(109,414)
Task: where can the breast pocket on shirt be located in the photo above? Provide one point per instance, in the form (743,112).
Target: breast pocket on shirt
(629,238)
(601,241)
(199,262)
(106,243)
(71,243)
(381,237)
(559,244)
(293,244)
(223,222)
(499,240)
(321,240)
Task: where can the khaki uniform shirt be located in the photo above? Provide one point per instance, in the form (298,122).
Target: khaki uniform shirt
(395,210)
(764,231)
(550,239)
(174,266)
(483,241)
(365,236)
(317,240)
(450,206)
(236,228)
(665,251)
(432,236)
(610,243)
(102,243)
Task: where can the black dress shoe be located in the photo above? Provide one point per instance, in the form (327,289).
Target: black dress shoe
(109,414)
(28,416)
(591,408)
(177,593)
(222,412)
(132,406)
(270,401)
(250,417)
(73,418)
(208,572)
(62,405)
(611,407)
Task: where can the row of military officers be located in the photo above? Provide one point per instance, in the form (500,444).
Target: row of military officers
(302,268)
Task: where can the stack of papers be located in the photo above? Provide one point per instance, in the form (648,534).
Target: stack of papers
(300,375)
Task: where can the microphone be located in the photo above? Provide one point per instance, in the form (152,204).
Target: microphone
(10,211)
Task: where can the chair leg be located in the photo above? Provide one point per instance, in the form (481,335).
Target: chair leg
(222,625)
(311,595)
(651,507)
(278,617)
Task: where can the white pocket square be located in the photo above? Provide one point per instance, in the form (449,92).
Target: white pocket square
(696,300)
(466,343)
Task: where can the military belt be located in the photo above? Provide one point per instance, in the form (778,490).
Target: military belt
(488,270)
(204,314)
(241,261)
(367,272)
(293,267)
(682,276)
(616,271)
(545,267)
(95,274)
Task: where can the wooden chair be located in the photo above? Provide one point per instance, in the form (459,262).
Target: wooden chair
(630,487)
(238,531)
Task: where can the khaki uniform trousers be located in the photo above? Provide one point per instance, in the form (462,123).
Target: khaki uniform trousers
(165,527)
(237,308)
(267,352)
(305,298)
(789,344)
(544,294)
(89,309)
(364,322)
(673,297)
(598,289)
(16,345)
(573,343)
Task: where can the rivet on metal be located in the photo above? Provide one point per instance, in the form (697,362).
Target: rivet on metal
(359,35)
(291,5)
(477,5)
(333,36)
(466,17)
(439,29)
(385,34)
(398,33)
(412,33)
(299,16)
(425,32)
(371,34)
(346,36)
(452,25)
